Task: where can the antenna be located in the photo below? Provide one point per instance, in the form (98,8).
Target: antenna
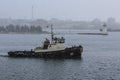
(52,32)
(32,12)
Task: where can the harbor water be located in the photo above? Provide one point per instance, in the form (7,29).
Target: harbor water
(100,58)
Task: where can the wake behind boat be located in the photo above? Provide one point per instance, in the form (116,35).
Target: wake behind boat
(51,49)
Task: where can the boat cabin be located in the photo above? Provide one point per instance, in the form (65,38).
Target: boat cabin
(53,42)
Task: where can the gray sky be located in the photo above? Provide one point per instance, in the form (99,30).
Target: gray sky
(61,9)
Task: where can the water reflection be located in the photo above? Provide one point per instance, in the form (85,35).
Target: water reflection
(39,69)
(58,69)
(100,59)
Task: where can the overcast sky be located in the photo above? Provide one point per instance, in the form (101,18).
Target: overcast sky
(61,9)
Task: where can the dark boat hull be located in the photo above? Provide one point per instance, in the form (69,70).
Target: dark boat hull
(73,52)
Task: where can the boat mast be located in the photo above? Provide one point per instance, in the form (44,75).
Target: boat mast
(52,32)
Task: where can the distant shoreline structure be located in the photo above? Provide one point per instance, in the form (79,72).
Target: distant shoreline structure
(92,34)
(32,29)
(43,32)
(112,24)
(83,32)
(102,31)
(11,29)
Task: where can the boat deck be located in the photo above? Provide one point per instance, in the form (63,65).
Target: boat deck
(73,52)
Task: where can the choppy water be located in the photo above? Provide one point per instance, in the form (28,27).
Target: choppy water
(100,59)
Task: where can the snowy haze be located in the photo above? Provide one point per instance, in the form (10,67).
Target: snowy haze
(61,9)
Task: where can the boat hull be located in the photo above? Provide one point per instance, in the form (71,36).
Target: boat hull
(73,52)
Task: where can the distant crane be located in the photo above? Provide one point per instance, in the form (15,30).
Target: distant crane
(32,13)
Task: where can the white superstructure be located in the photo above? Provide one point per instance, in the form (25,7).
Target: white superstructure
(104,30)
(52,47)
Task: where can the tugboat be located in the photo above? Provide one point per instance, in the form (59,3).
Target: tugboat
(51,49)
